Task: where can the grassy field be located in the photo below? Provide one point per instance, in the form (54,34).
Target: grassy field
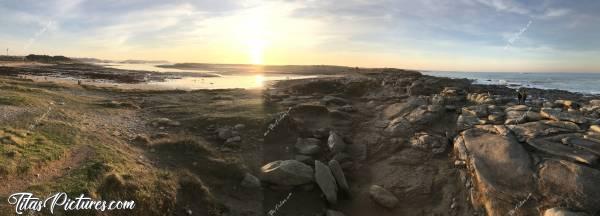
(106,143)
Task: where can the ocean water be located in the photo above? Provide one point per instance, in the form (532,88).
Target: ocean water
(247,80)
(587,83)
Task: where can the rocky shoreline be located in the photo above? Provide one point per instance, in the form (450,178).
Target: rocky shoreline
(401,143)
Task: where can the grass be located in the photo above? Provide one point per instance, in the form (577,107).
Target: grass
(187,170)
(21,150)
(12,100)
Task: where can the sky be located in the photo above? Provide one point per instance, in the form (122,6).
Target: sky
(448,35)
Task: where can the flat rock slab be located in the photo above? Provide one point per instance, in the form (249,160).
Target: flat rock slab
(502,169)
(586,144)
(558,115)
(287,173)
(541,128)
(563,151)
(562,212)
(383,197)
(563,183)
(326,181)
(340,178)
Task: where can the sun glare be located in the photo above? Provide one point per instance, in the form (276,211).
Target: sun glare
(256,51)
(256,31)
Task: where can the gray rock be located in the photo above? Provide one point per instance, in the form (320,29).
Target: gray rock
(558,115)
(333,213)
(335,142)
(515,117)
(341,157)
(307,159)
(496,162)
(347,108)
(239,126)
(250,181)
(562,212)
(567,126)
(494,118)
(533,116)
(398,109)
(586,144)
(224,133)
(326,181)
(517,108)
(165,122)
(327,100)
(234,139)
(383,197)
(563,151)
(563,183)
(287,173)
(466,121)
(478,110)
(541,128)
(308,146)
(436,144)
(340,178)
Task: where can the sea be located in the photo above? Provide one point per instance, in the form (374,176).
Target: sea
(586,83)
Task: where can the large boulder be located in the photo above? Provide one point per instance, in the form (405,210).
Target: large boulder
(563,183)
(326,181)
(501,168)
(287,173)
(383,197)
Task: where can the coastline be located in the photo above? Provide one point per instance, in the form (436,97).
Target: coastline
(384,131)
(574,82)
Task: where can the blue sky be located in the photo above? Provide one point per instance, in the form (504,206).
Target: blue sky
(462,35)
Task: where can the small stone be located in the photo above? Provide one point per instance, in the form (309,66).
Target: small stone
(239,126)
(234,139)
(250,181)
(459,163)
(333,213)
(383,197)
(335,142)
(224,133)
